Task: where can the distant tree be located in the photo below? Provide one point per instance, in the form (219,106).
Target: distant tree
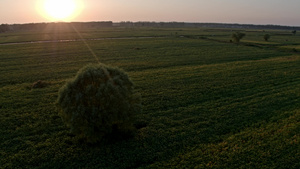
(4,28)
(294,32)
(267,37)
(237,36)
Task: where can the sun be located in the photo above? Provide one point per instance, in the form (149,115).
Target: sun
(60,10)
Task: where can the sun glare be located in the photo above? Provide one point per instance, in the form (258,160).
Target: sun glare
(60,10)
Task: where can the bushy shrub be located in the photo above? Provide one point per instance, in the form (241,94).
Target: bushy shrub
(98,101)
(267,37)
(39,84)
(237,36)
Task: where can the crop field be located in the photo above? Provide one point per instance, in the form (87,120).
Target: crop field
(207,102)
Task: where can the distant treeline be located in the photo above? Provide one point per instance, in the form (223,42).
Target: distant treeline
(40,26)
(54,25)
(203,25)
(4,28)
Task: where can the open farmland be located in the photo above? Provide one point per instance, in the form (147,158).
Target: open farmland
(207,103)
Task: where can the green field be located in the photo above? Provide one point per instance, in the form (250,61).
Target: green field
(207,103)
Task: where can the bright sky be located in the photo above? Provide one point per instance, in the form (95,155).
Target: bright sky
(277,12)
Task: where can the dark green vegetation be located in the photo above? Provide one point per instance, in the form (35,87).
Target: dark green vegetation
(98,102)
(238,36)
(267,37)
(207,103)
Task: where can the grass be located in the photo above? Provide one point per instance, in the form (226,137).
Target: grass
(207,104)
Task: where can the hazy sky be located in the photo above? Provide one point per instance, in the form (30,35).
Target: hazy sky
(278,12)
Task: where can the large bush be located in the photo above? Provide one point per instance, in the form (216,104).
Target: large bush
(267,37)
(237,36)
(98,101)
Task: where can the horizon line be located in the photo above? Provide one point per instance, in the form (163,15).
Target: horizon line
(225,23)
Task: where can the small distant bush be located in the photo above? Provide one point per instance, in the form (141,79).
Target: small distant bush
(267,37)
(39,84)
(99,101)
(237,36)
